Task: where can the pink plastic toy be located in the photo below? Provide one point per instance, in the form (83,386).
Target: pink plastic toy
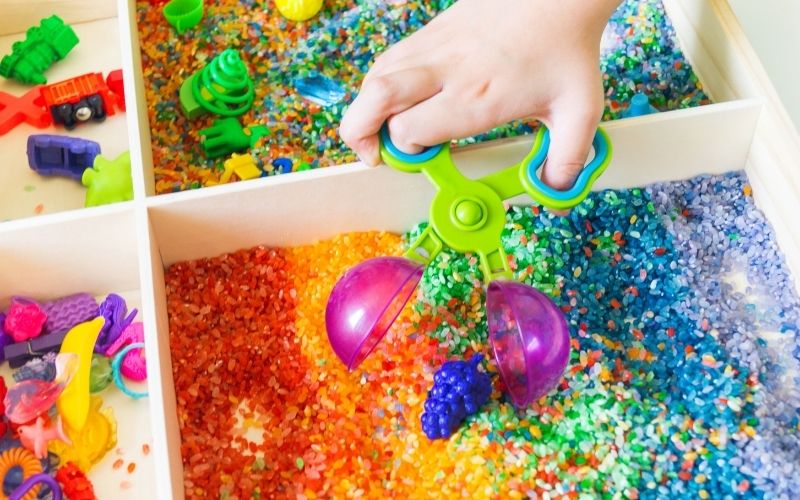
(35,437)
(133,365)
(528,332)
(365,303)
(24,320)
(30,398)
(530,339)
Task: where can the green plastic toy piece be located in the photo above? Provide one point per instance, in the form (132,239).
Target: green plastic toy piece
(223,87)
(100,374)
(469,215)
(45,44)
(109,181)
(227,136)
(183,14)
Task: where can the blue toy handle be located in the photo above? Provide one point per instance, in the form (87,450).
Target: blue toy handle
(554,198)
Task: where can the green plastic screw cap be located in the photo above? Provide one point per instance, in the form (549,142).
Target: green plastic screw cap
(183,14)
(223,87)
(109,181)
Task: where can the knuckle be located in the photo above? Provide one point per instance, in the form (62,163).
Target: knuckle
(402,133)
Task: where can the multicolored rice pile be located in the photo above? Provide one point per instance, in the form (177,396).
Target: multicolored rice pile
(640,53)
(683,378)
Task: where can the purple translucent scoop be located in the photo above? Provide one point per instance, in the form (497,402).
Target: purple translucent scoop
(365,302)
(530,339)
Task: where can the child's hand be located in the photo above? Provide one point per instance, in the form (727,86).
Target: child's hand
(483,63)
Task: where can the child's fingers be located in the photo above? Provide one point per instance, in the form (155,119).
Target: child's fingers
(570,142)
(571,136)
(441,118)
(378,100)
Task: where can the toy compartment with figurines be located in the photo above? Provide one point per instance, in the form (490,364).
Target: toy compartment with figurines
(133,244)
(59,114)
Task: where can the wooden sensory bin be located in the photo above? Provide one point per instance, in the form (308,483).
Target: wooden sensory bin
(126,247)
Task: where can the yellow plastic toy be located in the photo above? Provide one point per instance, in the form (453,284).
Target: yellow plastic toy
(73,403)
(99,436)
(298,10)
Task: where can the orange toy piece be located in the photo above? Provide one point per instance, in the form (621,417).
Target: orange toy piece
(30,465)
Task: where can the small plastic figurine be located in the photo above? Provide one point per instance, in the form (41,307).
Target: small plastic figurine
(223,87)
(45,44)
(61,155)
(133,364)
(227,136)
(115,311)
(35,437)
(73,403)
(298,10)
(97,438)
(109,181)
(78,100)
(24,320)
(459,389)
(30,398)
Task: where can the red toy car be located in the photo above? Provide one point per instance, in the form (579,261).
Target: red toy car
(83,98)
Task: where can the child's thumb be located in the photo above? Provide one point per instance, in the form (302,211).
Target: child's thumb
(570,142)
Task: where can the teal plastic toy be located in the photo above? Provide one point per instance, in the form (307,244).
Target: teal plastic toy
(468,215)
(109,181)
(639,106)
(227,136)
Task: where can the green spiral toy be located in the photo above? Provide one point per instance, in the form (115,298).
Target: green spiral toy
(223,88)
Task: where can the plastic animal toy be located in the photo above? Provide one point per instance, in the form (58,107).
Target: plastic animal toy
(109,181)
(298,10)
(45,44)
(73,403)
(227,136)
(30,398)
(528,332)
(115,311)
(459,390)
(35,437)
(61,155)
(24,320)
(90,445)
(223,87)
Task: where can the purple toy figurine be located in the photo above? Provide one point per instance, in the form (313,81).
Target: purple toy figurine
(66,312)
(61,155)
(113,309)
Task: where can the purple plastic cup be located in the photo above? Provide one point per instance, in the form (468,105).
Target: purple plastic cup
(530,340)
(365,302)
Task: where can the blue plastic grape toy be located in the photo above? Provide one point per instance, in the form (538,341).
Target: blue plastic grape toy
(459,389)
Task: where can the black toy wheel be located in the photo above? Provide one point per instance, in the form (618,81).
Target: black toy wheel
(63,114)
(98,107)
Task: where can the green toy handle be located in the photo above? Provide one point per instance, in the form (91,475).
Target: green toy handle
(469,215)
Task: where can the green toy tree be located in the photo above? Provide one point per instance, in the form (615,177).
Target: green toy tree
(223,87)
